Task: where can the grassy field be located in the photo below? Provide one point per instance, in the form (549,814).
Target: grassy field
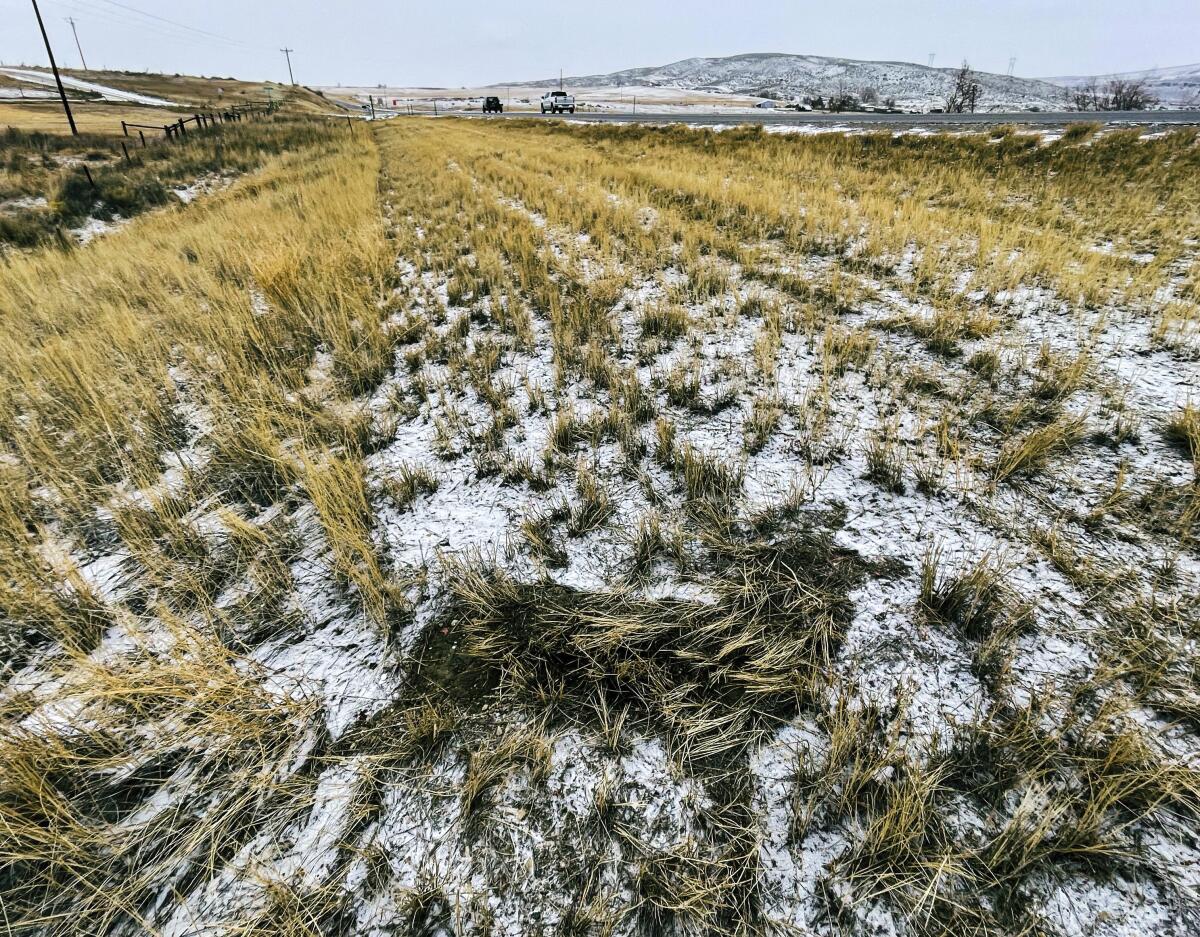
(193,91)
(59,188)
(521,528)
(90,117)
(190,92)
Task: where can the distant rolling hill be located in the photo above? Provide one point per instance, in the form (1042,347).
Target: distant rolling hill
(1175,87)
(792,77)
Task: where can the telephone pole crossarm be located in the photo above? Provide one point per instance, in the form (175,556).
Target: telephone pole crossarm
(75,33)
(288,55)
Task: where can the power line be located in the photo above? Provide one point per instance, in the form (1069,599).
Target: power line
(75,33)
(163,19)
(288,55)
(165,30)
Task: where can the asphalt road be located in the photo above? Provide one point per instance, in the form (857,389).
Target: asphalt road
(899,121)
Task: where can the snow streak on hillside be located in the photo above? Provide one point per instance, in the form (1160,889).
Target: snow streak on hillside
(76,84)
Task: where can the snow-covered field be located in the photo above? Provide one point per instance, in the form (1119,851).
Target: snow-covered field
(738,534)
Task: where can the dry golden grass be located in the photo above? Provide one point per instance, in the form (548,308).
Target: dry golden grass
(90,117)
(67,866)
(651,349)
(87,373)
(196,90)
(188,93)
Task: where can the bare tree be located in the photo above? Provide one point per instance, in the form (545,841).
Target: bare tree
(1086,97)
(965,94)
(1125,95)
(842,100)
(1117,95)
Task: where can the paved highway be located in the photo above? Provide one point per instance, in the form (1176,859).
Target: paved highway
(897,121)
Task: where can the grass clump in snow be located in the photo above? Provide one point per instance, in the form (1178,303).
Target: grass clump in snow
(691,669)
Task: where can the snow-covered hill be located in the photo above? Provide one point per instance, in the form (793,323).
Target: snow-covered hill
(38,77)
(788,77)
(1174,87)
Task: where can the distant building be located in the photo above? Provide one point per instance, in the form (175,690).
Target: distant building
(765,105)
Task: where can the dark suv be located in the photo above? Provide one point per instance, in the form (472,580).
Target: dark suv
(492,106)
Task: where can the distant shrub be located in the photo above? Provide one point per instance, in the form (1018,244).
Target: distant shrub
(128,196)
(1077,133)
(115,193)
(26,230)
(74,196)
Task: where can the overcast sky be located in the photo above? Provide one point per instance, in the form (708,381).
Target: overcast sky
(468,42)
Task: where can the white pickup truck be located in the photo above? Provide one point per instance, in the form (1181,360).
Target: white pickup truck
(555,102)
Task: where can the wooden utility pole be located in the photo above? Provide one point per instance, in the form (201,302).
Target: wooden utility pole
(54,68)
(75,33)
(288,55)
